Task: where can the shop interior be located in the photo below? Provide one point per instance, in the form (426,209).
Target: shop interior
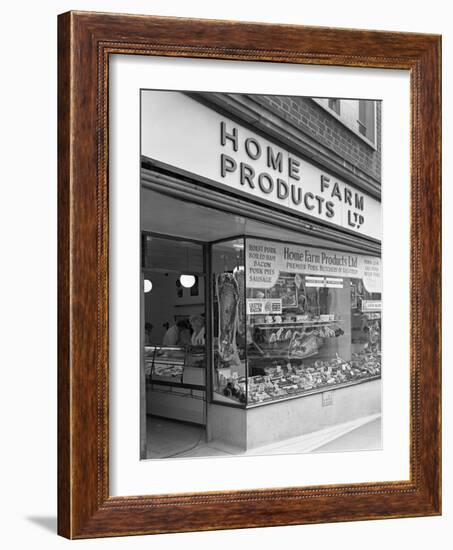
(192,267)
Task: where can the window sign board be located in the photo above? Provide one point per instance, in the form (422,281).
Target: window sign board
(323,282)
(266,259)
(264,306)
(371,305)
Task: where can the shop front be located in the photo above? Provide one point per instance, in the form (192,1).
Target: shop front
(262,308)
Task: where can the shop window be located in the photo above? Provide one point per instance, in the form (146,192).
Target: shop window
(288,320)
(229,338)
(366,318)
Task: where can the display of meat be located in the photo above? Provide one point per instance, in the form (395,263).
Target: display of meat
(300,346)
(228,300)
(239,275)
(296,377)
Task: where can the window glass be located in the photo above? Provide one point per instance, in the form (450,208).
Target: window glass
(334,104)
(359,115)
(306,332)
(229,354)
(366,119)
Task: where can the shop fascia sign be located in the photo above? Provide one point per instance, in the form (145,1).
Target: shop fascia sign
(284,177)
(183,133)
(265,260)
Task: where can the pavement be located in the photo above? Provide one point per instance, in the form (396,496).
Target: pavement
(368,434)
(172,439)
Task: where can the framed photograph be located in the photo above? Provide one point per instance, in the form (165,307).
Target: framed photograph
(249,275)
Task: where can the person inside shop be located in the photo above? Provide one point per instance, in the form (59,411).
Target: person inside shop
(198,330)
(178,334)
(148,331)
(185,334)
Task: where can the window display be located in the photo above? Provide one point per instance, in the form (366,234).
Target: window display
(286,320)
(229,342)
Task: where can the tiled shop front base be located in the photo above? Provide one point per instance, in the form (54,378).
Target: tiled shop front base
(253,427)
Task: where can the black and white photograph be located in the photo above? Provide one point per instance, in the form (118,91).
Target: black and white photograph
(261,273)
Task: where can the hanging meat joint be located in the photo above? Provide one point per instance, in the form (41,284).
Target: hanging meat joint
(228,299)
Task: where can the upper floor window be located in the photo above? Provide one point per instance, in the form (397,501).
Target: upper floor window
(334,104)
(366,120)
(359,115)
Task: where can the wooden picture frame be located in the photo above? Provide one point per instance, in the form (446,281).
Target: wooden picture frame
(85,41)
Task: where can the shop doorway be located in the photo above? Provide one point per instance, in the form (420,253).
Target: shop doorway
(174,326)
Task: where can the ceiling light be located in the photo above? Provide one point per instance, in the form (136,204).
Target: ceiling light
(147,285)
(187,281)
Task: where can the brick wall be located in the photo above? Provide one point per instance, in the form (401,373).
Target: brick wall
(320,125)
